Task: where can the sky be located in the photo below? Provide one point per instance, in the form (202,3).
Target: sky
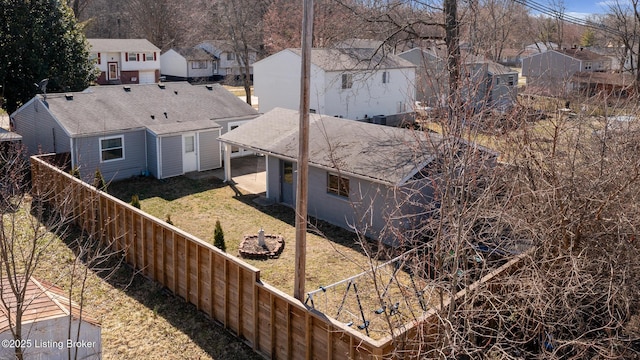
(581,8)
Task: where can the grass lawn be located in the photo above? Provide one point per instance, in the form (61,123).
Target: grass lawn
(195,205)
(332,252)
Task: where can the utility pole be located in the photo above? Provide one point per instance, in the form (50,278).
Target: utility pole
(302,183)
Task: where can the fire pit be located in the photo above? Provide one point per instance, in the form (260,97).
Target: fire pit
(261,246)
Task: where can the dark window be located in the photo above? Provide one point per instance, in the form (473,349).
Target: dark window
(287,172)
(386,77)
(347,81)
(337,185)
(111,148)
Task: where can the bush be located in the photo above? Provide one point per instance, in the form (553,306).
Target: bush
(135,201)
(98,181)
(75,172)
(218,237)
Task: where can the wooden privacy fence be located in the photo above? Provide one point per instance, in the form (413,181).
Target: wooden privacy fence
(222,286)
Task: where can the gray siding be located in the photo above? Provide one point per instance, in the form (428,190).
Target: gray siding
(44,135)
(551,70)
(369,208)
(210,153)
(171,156)
(273,178)
(88,157)
(152,154)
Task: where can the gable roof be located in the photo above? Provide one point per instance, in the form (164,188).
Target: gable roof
(354,59)
(582,54)
(194,54)
(494,68)
(44,301)
(119,45)
(374,152)
(221,45)
(109,109)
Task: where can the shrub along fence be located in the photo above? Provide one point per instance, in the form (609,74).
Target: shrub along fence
(222,286)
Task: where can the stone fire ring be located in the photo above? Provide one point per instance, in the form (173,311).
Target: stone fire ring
(251,249)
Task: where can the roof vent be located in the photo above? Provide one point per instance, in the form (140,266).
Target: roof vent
(68,96)
(175,92)
(127,88)
(161,85)
(153,116)
(209,87)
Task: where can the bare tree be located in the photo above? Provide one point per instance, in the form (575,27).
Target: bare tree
(241,22)
(25,238)
(28,227)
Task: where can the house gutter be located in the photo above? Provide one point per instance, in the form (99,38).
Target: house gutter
(295,160)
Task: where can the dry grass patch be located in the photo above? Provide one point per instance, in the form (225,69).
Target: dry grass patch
(139,319)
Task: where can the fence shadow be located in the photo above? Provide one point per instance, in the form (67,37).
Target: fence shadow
(205,332)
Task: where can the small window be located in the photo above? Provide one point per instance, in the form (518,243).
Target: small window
(198,64)
(497,81)
(337,185)
(189,144)
(312,111)
(347,81)
(133,57)
(112,148)
(148,56)
(386,77)
(587,65)
(231,56)
(511,80)
(287,172)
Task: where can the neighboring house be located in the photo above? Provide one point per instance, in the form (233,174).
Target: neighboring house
(48,319)
(550,72)
(601,83)
(484,84)
(125,61)
(162,130)
(350,83)
(432,77)
(361,175)
(191,64)
(541,46)
(229,66)
(619,55)
(490,85)
(513,57)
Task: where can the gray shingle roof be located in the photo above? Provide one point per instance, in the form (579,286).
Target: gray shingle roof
(194,54)
(118,45)
(582,54)
(107,109)
(354,59)
(375,152)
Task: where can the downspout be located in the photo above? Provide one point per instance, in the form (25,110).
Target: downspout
(146,154)
(74,151)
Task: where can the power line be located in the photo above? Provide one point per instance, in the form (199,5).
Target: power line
(561,15)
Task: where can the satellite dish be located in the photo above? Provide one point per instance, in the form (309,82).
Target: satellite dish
(42,85)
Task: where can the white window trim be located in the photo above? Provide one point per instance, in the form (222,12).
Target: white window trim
(121,137)
(148,56)
(132,55)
